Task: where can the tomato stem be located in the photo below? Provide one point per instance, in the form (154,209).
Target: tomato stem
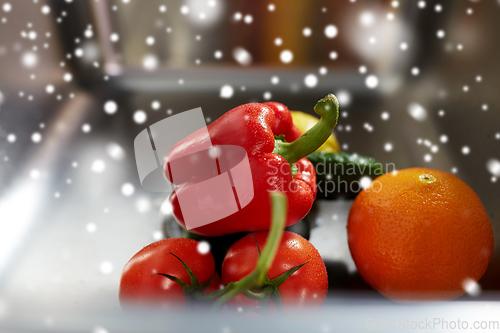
(279,208)
(208,297)
(259,274)
(256,285)
(276,282)
(255,296)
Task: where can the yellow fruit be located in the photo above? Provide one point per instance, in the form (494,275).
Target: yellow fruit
(305,121)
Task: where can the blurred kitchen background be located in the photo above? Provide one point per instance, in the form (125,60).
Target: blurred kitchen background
(418,84)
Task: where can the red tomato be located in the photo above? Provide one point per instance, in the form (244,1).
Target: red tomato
(139,287)
(307,286)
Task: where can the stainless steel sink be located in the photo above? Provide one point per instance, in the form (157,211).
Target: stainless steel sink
(67,225)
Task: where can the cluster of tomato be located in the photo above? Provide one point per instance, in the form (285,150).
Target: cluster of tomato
(180,271)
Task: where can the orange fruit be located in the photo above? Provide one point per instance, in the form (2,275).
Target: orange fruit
(419,235)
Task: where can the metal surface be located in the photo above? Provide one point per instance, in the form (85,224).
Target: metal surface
(67,228)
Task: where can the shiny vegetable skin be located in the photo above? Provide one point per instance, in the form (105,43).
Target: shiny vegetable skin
(254,127)
(138,285)
(308,286)
(344,170)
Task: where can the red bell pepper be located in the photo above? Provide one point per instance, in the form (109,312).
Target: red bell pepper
(259,128)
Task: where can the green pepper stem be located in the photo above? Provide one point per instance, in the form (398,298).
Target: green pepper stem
(328,109)
(258,275)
